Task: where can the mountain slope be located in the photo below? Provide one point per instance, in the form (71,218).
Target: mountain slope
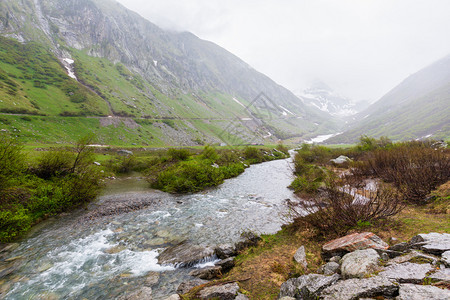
(418,107)
(137,70)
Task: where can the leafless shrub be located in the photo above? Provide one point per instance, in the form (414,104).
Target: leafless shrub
(416,171)
(341,207)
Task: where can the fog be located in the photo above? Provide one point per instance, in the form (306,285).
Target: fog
(361,48)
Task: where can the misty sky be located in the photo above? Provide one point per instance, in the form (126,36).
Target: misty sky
(361,48)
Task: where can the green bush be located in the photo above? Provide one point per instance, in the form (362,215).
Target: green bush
(13,223)
(12,161)
(253,154)
(178,154)
(209,153)
(188,176)
(54,163)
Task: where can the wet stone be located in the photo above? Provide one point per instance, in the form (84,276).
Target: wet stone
(184,254)
(152,278)
(140,294)
(226,264)
(224,251)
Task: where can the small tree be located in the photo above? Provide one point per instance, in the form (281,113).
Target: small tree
(12,160)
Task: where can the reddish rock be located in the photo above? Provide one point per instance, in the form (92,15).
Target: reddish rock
(352,242)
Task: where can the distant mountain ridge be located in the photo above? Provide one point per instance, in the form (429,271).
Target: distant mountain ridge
(419,107)
(162,74)
(321,96)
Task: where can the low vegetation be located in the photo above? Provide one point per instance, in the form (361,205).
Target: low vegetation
(32,190)
(184,172)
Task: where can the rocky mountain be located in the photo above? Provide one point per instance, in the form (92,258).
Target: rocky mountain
(322,97)
(122,65)
(419,107)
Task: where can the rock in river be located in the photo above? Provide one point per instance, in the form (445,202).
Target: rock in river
(184,254)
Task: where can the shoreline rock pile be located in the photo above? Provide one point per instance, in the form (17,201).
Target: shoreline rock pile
(361,265)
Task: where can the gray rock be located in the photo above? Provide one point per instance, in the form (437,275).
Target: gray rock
(143,293)
(414,256)
(359,263)
(186,286)
(406,272)
(401,247)
(286,298)
(207,273)
(446,258)
(352,289)
(335,259)
(226,264)
(340,160)
(184,254)
(422,292)
(433,243)
(222,292)
(224,251)
(307,285)
(173,297)
(124,152)
(441,275)
(389,253)
(330,268)
(241,297)
(300,257)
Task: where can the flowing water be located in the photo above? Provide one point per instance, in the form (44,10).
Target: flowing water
(75,258)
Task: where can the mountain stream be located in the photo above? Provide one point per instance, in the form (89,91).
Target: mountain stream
(77,256)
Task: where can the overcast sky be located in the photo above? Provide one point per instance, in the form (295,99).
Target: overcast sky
(361,48)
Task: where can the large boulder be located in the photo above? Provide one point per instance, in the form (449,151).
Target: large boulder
(184,254)
(407,272)
(352,289)
(246,240)
(340,160)
(359,263)
(222,292)
(224,251)
(422,292)
(352,242)
(433,243)
(307,286)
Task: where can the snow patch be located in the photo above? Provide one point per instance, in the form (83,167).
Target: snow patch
(68,62)
(238,102)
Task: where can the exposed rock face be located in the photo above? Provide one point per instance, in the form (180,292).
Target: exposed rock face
(407,272)
(422,292)
(433,243)
(184,254)
(223,292)
(359,263)
(207,273)
(352,242)
(307,286)
(300,257)
(359,288)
